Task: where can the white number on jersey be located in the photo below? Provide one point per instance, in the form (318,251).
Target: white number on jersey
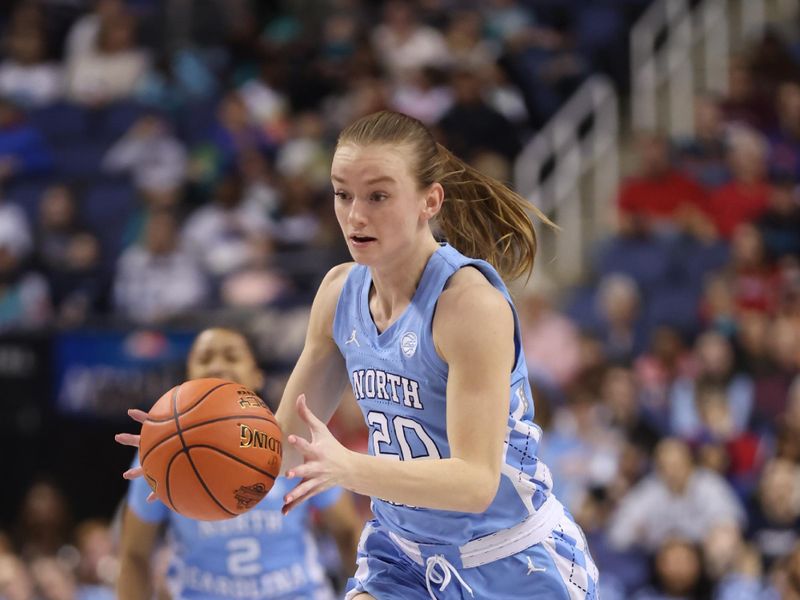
(243,557)
(379,423)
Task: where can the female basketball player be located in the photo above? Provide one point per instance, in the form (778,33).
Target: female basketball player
(259,554)
(429,342)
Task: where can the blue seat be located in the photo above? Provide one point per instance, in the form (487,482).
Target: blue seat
(79,160)
(107,208)
(648,261)
(112,122)
(26,194)
(60,121)
(675,306)
(696,260)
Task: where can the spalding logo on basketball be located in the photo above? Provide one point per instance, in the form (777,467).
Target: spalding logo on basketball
(408,343)
(210,449)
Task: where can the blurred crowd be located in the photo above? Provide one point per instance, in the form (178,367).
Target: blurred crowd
(163,158)
(670,381)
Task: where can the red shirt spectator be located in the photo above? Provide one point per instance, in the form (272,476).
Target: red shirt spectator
(659,198)
(658,191)
(736,203)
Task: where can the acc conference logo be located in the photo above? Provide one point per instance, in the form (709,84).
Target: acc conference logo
(408,343)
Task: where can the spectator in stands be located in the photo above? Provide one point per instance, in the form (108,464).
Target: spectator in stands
(69,256)
(715,369)
(154,157)
(110,69)
(717,307)
(658,195)
(306,152)
(266,100)
(722,546)
(753,280)
(24,295)
(155,279)
(423,94)
(628,415)
(472,125)
(782,364)
(621,327)
(467,46)
(22,149)
(702,157)
(228,234)
(774,511)
(44,521)
(788,578)
(656,508)
(236,133)
(26,74)
(745,197)
(15,579)
(780,223)
(97,571)
(580,449)
(657,369)
(57,223)
(403,44)
(54,580)
(784,139)
(745,103)
(551,340)
(15,232)
(677,572)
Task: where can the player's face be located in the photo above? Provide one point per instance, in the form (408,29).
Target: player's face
(378,204)
(224,354)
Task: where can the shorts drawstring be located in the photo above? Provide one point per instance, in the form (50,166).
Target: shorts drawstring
(441,579)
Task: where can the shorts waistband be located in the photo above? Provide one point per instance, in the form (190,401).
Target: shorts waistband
(501,544)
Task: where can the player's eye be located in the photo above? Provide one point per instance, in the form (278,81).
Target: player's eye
(339,195)
(378,196)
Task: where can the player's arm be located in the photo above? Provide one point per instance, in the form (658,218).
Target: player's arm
(320,372)
(136,549)
(473,332)
(342,521)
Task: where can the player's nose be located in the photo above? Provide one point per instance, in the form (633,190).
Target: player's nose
(356,215)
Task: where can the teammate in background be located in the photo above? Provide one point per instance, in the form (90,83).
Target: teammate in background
(429,341)
(259,554)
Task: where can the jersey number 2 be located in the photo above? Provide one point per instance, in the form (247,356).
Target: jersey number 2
(381,434)
(243,557)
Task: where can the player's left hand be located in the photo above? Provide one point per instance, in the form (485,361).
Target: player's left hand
(325,459)
(132,439)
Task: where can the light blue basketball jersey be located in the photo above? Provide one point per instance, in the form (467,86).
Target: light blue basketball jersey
(400,384)
(260,554)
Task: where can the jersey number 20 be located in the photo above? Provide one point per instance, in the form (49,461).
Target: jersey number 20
(382,434)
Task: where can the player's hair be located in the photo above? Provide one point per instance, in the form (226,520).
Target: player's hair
(480,217)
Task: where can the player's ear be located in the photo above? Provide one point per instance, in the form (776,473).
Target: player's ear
(434,197)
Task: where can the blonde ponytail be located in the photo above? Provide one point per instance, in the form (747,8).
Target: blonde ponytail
(480,217)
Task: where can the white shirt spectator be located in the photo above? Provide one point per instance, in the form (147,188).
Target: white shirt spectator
(15,233)
(424,46)
(33,85)
(96,77)
(25,304)
(223,239)
(650,513)
(148,288)
(156,159)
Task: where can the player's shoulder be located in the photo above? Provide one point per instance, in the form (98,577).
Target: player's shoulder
(331,286)
(469,294)
(327,298)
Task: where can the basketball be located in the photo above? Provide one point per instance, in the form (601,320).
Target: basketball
(210,449)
